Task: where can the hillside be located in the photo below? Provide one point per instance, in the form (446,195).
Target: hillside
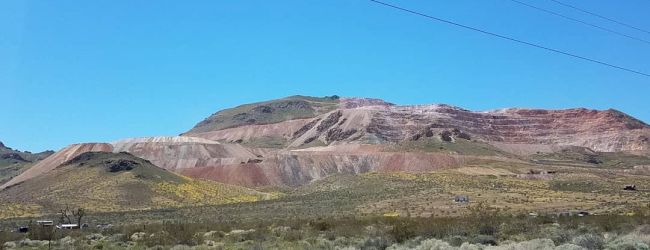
(56,159)
(371,121)
(13,162)
(289,108)
(104,181)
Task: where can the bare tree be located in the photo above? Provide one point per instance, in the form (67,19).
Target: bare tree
(79,214)
(66,214)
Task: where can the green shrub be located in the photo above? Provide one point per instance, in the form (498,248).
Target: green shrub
(402,231)
(37,232)
(320,225)
(630,241)
(9,236)
(376,243)
(293,235)
(484,240)
(589,241)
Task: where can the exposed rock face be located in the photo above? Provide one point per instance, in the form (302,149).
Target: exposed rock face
(329,121)
(375,121)
(337,134)
(305,128)
(349,103)
(295,168)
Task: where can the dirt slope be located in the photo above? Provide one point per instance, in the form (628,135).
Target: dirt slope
(175,153)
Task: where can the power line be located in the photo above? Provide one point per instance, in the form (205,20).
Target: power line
(511,39)
(580,21)
(600,16)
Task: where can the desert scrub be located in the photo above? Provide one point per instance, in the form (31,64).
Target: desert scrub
(8,237)
(519,232)
(13,210)
(204,192)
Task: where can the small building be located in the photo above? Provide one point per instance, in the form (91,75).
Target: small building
(534,171)
(104,226)
(461,199)
(67,226)
(45,223)
(23,229)
(630,187)
(579,213)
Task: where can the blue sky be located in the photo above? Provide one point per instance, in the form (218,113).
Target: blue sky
(84,71)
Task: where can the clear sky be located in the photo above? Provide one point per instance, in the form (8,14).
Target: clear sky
(84,71)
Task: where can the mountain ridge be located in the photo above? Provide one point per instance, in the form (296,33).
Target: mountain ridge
(358,135)
(13,161)
(376,117)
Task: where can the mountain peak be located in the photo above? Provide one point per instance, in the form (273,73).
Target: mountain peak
(267,112)
(356,102)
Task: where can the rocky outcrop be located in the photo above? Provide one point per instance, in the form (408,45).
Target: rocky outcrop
(305,128)
(329,121)
(350,103)
(337,134)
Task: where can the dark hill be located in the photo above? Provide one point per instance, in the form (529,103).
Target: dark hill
(289,108)
(102,181)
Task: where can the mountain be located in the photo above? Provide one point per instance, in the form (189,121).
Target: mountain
(371,135)
(297,140)
(371,121)
(12,161)
(104,181)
